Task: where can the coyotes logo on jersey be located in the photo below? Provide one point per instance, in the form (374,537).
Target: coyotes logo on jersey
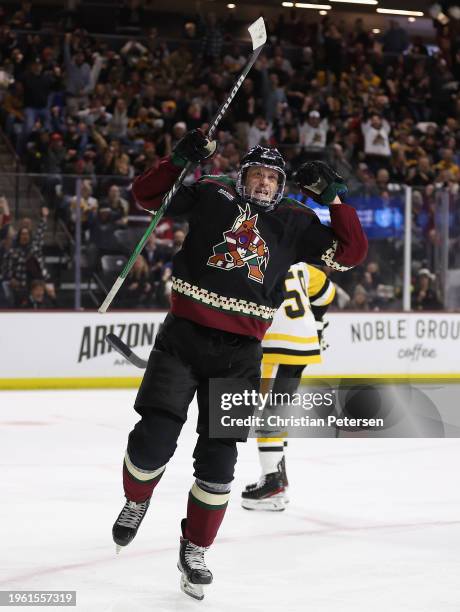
(242,246)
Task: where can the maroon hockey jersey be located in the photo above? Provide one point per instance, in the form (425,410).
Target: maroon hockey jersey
(230,272)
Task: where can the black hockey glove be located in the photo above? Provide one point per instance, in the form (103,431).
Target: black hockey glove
(193,147)
(320,182)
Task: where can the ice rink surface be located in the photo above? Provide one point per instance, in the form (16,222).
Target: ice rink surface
(373,525)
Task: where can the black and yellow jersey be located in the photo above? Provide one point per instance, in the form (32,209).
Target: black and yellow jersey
(294,336)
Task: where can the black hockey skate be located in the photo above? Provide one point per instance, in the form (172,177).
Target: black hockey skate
(128,521)
(268,494)
(193,568)
(282,470)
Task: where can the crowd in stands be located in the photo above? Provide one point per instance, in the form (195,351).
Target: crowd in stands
(382,110)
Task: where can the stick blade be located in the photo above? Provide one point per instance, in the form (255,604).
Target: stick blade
(125,351)
(258,33)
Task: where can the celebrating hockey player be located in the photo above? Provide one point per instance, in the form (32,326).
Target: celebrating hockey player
(293,341)
(227,285)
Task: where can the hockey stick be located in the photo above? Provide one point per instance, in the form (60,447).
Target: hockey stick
(125,351)
(258,38)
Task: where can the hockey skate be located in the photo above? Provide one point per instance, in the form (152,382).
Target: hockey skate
(268,494)
(193,568)
(282,471)
(128,522)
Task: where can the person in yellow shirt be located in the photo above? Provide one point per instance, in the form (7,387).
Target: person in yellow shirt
(447,163)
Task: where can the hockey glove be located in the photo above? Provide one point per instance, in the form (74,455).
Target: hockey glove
(320,182)
(193,147)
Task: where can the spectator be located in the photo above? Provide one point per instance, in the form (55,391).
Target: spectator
(313,133)
(422,174)
(118,124)
(24,262)
(101,240)
(244,111)
(273,92)
(447,163)
(37,298)
(37,89)
(5,217)
(424,296)
(280,64)
(376,133)
(156,257)
(13,106)
(417,90)
(212,42)
(118,206)
(235,60)
(260,133)
(359,301)
(382,180)
(88,206)
(333,51)
(395,39)
(165,232)
(78,77)
(138,289)
(369,80)
(23,18)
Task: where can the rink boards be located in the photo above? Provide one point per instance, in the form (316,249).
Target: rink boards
(68,350)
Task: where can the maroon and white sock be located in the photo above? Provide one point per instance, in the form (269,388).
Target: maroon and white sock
(139,484)
(205,512)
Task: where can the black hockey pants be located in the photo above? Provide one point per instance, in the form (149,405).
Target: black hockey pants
(185,356)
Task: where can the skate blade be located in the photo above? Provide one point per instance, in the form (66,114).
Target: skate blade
(192,590)
(118,548)
(270,504)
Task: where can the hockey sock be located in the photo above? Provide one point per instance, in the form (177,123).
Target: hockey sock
(139,484)
(207,503)
(271,452)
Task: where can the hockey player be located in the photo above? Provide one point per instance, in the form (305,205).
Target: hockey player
(293,341)
(227,285)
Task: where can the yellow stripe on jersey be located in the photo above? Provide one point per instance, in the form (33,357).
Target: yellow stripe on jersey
(289,338)
(316,280)
(277,358)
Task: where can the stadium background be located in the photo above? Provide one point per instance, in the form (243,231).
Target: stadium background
(93,93)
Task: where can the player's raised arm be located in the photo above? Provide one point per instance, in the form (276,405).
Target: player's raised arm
(344,244)
(150,187)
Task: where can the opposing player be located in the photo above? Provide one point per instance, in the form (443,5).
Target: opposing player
(292,342)
(227,285)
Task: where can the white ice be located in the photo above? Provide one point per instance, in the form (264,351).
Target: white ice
(373,525)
